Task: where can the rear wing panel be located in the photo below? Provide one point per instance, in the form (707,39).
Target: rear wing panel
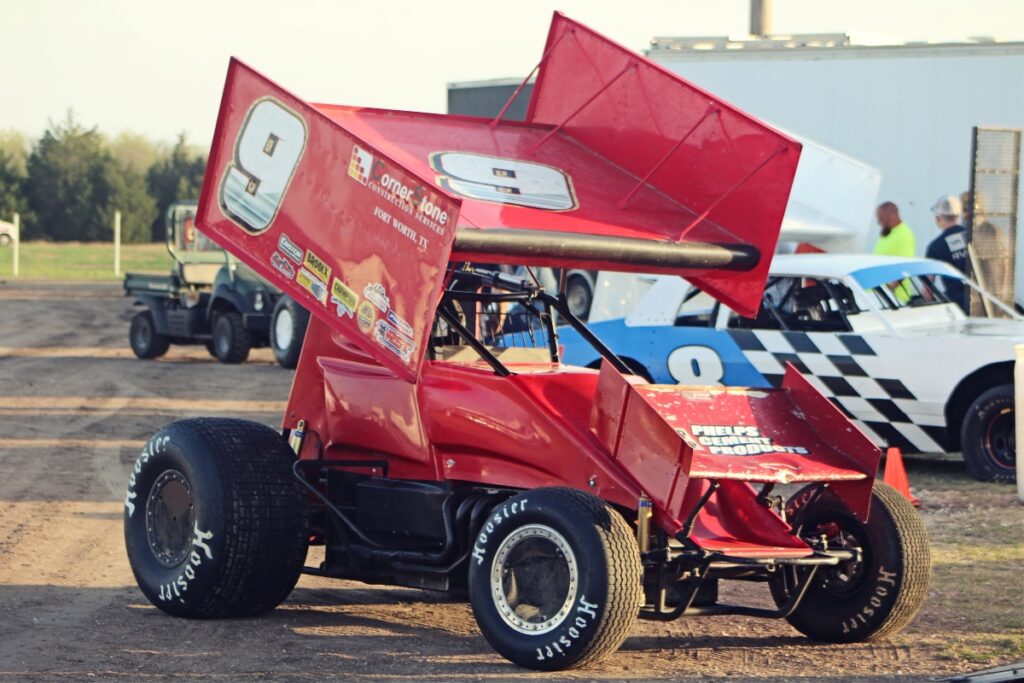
(356,238)
(728,173)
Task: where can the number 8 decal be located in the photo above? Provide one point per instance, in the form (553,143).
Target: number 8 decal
(267,152)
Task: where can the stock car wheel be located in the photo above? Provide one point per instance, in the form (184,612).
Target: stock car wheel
(555,580)
(231,342)
(987,436)
(287,331)
(867,599)
(579,296)
(145,341)
(215,524)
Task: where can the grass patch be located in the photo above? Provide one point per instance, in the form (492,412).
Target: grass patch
(985,649)
(83,261)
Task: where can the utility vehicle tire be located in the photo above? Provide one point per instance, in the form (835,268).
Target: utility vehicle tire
(287,331)
(231,343)
(555,579)
(579,296)
(215,523)
(145,341)
(987,436)
(865,600)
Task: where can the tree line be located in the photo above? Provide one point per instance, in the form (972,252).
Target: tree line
(67,184)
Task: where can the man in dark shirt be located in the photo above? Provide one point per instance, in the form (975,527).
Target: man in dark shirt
(951,246)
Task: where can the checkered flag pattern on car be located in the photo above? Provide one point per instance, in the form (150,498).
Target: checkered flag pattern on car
(847,369)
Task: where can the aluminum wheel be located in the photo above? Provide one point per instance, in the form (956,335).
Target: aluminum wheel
(170,517)
(284,329)
(534,579)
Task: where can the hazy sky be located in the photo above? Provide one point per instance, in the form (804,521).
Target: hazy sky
(158,67)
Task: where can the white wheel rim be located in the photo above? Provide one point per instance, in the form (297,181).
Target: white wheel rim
(283,329)
(517,616)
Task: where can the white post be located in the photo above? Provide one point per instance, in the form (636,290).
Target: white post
(1018,414)
(117,242)
(17,244)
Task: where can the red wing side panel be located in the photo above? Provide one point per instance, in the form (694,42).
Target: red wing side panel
(729,174)
(289,192)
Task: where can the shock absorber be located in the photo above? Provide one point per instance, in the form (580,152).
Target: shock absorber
(297,436)
(645,510)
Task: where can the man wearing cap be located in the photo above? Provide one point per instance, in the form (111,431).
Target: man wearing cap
(951,245)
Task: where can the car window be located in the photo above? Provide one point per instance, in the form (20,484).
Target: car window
(910,292)
(802,304)
(697,309)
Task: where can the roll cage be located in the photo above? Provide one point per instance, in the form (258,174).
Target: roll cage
(490,311)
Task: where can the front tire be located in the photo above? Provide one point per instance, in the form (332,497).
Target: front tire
(145,341)
(215,524)
(287,331)
(555,579)
(987,436)
(231,343)
(866,600)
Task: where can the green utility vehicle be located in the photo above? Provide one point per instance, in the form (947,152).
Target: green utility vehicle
(211,298)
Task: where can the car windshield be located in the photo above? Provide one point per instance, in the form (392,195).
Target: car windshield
(914,291)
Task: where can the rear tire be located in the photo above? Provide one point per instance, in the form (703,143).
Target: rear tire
(867,600)
(215,524)
(555,579)
(987,436)
(145,341)
(231,343)
(287,331)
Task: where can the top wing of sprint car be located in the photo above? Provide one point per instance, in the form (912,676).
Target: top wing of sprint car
(620,165)
(357,213)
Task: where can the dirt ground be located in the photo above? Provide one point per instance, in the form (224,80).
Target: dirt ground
(76,406)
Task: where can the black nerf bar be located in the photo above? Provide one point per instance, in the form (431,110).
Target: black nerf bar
(504,245)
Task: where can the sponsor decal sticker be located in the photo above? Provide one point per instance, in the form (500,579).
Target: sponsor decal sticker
(389,337)
(316,265)
(403,327)
(308,281)
(344,298)
(366,316)
(281,265)
(739,440)
(360,165)
(376,293)
(289,249)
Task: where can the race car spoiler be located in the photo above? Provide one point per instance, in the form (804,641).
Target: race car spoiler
(620,165)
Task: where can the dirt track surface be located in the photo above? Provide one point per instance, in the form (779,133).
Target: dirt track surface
(76,406)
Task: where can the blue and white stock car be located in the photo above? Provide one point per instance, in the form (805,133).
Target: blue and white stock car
(875,334)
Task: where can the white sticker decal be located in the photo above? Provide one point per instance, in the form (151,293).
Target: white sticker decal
(267,152)
(508,181)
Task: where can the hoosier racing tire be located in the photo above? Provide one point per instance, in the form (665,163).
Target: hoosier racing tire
(215,524)
(555,579)
(870,599)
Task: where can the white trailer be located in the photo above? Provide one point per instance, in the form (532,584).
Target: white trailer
(907,110)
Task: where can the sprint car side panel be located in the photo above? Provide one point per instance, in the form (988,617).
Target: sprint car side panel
(287,192)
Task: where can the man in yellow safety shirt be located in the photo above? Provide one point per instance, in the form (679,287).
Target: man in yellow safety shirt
(897,239)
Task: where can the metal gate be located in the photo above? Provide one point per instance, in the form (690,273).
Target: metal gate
(991,212)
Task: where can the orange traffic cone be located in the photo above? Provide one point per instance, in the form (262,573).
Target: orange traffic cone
(895,475)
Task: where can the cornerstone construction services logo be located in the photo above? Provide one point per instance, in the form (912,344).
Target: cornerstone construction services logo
(360,165)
